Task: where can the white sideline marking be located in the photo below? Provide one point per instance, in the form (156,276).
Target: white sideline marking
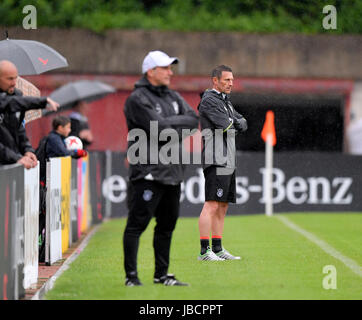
(348,262)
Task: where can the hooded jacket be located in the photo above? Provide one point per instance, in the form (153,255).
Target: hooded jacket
(13,140)
(217,113)
(168,110)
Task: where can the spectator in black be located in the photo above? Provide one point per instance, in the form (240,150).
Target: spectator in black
(79,124)
(14,144)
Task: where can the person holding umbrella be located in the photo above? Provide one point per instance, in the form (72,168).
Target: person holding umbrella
(76,95)
(14,144)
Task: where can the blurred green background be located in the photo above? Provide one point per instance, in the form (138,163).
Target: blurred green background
(267,16)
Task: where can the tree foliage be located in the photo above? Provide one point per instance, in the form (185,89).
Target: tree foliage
(301,16)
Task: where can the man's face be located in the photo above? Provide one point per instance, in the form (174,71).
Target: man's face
(83,107)
(160,76)
(8,77)
(225,83)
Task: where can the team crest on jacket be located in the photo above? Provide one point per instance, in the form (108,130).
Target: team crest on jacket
(158,108)
(219,192)
(147,195)
(175,106)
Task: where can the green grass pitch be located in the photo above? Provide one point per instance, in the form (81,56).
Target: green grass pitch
(277,262)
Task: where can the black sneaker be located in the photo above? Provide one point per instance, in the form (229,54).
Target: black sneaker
(169,280)
(131,282)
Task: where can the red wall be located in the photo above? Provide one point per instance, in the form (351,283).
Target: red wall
(106,120)
(106,117)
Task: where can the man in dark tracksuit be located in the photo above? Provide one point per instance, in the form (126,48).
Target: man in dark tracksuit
(155,186)
(14,144)
(218,120)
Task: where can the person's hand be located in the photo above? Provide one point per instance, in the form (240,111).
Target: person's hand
(52,105)
(27,162)
(241,124)
(81,153)
(32,156)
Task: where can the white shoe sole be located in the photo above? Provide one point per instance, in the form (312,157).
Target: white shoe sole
(211,259)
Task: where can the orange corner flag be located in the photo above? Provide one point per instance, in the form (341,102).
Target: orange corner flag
(269,128)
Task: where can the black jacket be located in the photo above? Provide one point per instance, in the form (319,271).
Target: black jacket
(52,146)
(56,147)
(217,112)
(79,122)
(13,140)
(165,106)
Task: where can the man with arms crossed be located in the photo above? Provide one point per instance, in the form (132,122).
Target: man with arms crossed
(154,187)
(218,115)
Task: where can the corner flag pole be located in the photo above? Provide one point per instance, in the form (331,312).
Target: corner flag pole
(269,136)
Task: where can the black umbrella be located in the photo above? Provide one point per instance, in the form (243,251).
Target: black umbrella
(31,57)
(83,90)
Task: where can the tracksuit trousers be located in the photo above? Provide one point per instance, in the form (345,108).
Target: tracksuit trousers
(148,199)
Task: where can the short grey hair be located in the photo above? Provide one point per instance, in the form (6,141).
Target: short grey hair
(217,72)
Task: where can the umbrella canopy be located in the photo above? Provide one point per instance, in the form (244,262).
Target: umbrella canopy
(28,89)
(83,90)
(31,57)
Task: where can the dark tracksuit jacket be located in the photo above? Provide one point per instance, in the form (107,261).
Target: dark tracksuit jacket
(13,140)
(159,197)
(56,147)
(79,122)
(217,112)
(149,103)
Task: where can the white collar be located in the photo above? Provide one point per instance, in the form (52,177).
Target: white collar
(222,94)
